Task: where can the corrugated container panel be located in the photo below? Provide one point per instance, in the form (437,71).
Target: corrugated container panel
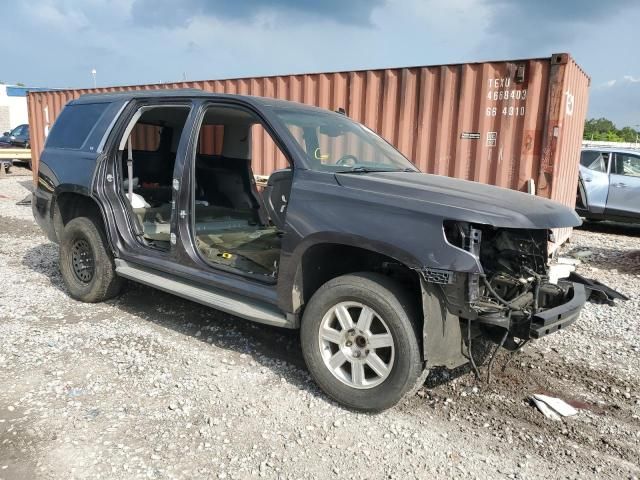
(503,123)
(571,91)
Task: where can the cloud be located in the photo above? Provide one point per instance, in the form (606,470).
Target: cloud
(565,11)
(170,13)
(49,15)
(537,25)
(626,79)
(620,102)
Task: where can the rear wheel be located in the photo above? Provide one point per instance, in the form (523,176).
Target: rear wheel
(86,265)
(359,341)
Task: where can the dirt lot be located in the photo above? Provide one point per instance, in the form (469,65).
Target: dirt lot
(151,386)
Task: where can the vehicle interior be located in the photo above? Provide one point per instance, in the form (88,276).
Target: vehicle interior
(334,143)
(595,160)
(235,224)
(148,154)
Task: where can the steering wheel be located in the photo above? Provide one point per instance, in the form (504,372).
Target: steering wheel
(347,160)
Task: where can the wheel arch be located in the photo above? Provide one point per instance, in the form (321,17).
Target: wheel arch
(72,201)
(323,257)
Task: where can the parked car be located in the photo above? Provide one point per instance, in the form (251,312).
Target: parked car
(386,271)
(609,186)
(18,137)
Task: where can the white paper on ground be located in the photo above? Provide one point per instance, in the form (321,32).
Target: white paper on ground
(544,408)
(558,405)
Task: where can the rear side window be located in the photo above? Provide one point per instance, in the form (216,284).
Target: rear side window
(74,125)
(596,161)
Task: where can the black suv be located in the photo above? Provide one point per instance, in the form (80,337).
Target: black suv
(386,271)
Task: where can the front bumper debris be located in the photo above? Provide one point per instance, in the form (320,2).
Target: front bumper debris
(557,318)
(597,292)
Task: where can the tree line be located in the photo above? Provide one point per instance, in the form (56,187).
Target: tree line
(603,129)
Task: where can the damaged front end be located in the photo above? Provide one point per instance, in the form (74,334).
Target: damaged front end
(510,299)
(514,292)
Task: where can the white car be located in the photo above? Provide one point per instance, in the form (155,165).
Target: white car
(609,186)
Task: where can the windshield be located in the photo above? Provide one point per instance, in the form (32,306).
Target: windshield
(335,143)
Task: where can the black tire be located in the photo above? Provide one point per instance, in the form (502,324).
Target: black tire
(398,310)
(86,265)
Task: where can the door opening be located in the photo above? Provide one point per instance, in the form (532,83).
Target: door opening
(233,225)
(147,157)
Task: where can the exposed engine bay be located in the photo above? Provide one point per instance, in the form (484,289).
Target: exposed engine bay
(515,284)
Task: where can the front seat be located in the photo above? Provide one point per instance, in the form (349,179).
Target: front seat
(276,195)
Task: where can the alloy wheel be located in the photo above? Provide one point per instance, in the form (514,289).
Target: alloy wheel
(356,345)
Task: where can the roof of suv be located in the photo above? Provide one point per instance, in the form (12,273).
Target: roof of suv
(186,92)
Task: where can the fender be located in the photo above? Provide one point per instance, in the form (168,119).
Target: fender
(290,275)
(351,240)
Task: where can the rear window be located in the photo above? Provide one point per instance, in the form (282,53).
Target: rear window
(74,125)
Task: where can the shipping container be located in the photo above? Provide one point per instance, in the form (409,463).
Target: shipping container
(516,124)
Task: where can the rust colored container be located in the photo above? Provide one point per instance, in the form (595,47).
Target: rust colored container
(508,123)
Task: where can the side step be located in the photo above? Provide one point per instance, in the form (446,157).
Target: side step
(215,298)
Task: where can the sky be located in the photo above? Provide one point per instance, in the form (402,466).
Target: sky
(51,43)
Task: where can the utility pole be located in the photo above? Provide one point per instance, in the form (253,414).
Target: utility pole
(93,74)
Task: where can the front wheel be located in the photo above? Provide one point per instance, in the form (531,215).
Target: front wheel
(359,341)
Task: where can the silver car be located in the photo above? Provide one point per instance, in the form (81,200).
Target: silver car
(609,187)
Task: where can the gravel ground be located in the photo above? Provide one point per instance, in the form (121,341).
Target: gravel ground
(152,386)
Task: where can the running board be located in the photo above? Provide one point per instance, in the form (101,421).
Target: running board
(215,298)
